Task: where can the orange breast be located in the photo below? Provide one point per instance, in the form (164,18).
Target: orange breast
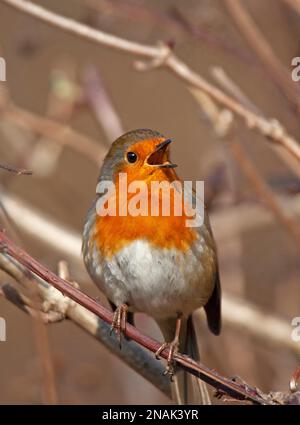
(112,233)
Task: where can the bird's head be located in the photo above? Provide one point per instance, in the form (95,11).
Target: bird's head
(141,154)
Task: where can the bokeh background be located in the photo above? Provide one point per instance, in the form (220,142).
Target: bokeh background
(71,81)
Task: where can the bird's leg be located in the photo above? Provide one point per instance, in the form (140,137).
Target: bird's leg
(173,349)
(119,321)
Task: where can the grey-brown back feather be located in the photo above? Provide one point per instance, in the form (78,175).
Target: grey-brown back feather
(213,308)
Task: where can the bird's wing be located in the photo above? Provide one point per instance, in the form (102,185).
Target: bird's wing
(213,306)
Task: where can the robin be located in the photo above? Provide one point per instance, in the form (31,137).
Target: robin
(154,264)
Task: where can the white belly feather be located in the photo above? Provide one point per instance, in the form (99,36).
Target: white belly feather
(158,282)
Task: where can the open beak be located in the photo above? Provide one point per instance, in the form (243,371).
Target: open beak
(158,157)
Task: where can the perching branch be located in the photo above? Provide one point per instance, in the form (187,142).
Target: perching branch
(162,56)
(237,313)
(222,384)
(57,307)
(15,170)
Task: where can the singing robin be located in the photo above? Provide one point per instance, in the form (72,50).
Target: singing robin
(154,264)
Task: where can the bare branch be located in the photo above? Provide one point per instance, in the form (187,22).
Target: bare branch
(236,312)
(245,164)
(171,20)
(228,386)
(162,55)
(264,51)
(42,227)
(294,4)
(231,87)
(59,133)
(57,307)
(247,318)
(15,170)
(263,190)
(101,103)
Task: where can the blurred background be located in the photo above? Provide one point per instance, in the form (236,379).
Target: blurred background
(66,99)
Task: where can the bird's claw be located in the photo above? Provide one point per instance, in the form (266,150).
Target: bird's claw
(173,350)
(119,322)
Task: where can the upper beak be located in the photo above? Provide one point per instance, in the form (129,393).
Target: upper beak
(158,158)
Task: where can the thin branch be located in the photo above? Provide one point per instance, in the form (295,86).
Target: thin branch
(49,128)
(233,389)
(43,348)
(35,223)
(294,4)
(231,87)
(245,317)
(16,297)
(224,129)
(263,190)
(101,103)
(264,51)
(171,20)
(57,307)
(8,292)
(249,170)
(59,133)
(44,155)
(16,170)
(162,56)
(42,227)
(20,300)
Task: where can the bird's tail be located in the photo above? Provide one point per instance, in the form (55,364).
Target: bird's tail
(186,388)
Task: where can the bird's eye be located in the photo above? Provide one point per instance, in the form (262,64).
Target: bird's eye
(131,157)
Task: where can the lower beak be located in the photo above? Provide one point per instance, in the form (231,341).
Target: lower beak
(158,157)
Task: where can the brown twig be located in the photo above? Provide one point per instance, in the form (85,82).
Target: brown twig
(263,190)
(56,307)
(264,51)
(231,388)
(249,170)
(56,131)
(59,133)
(294,4)
(49,393)
(16,170)
(236,312)
(231,87)
(101,103)
(224,129)
(172,20)
(16,297)
(162,56)
(44,155)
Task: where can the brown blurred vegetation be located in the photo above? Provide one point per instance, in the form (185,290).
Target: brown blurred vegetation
(259,260)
